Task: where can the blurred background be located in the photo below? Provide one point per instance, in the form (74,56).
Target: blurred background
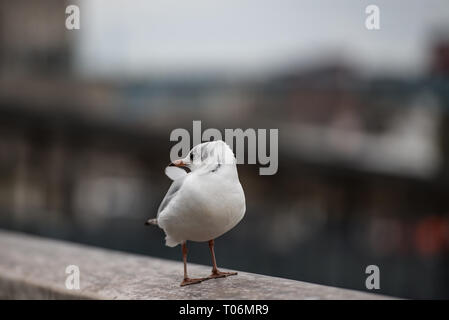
(86,115)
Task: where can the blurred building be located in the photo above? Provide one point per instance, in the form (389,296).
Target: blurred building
(31,37)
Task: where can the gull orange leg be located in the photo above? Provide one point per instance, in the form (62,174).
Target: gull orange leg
(215,272)
(188,280)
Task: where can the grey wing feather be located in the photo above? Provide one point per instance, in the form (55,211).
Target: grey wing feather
(171,194)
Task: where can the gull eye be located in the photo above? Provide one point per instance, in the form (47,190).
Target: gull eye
(191,156)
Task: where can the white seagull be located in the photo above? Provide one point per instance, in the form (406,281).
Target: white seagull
(203,204)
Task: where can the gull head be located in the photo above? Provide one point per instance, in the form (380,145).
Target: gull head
(207,156)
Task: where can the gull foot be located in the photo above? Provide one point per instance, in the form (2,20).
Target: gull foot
(188,281)
(220,274)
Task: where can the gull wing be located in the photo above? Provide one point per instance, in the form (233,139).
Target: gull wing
(171,194)
(175,173)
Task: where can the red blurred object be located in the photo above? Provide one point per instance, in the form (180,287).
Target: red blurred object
(432,235)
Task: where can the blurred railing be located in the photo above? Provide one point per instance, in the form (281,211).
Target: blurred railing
(38,268)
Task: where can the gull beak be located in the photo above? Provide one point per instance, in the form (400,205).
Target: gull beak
(177,163)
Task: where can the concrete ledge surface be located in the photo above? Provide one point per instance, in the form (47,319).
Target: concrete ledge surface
(35,268)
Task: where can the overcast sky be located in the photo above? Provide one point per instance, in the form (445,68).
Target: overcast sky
(241,37)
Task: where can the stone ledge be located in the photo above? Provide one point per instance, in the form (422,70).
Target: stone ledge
(34,268)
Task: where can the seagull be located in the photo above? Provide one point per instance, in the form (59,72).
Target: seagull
(202,204)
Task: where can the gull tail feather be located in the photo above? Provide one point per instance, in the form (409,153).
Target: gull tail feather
(151,222)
